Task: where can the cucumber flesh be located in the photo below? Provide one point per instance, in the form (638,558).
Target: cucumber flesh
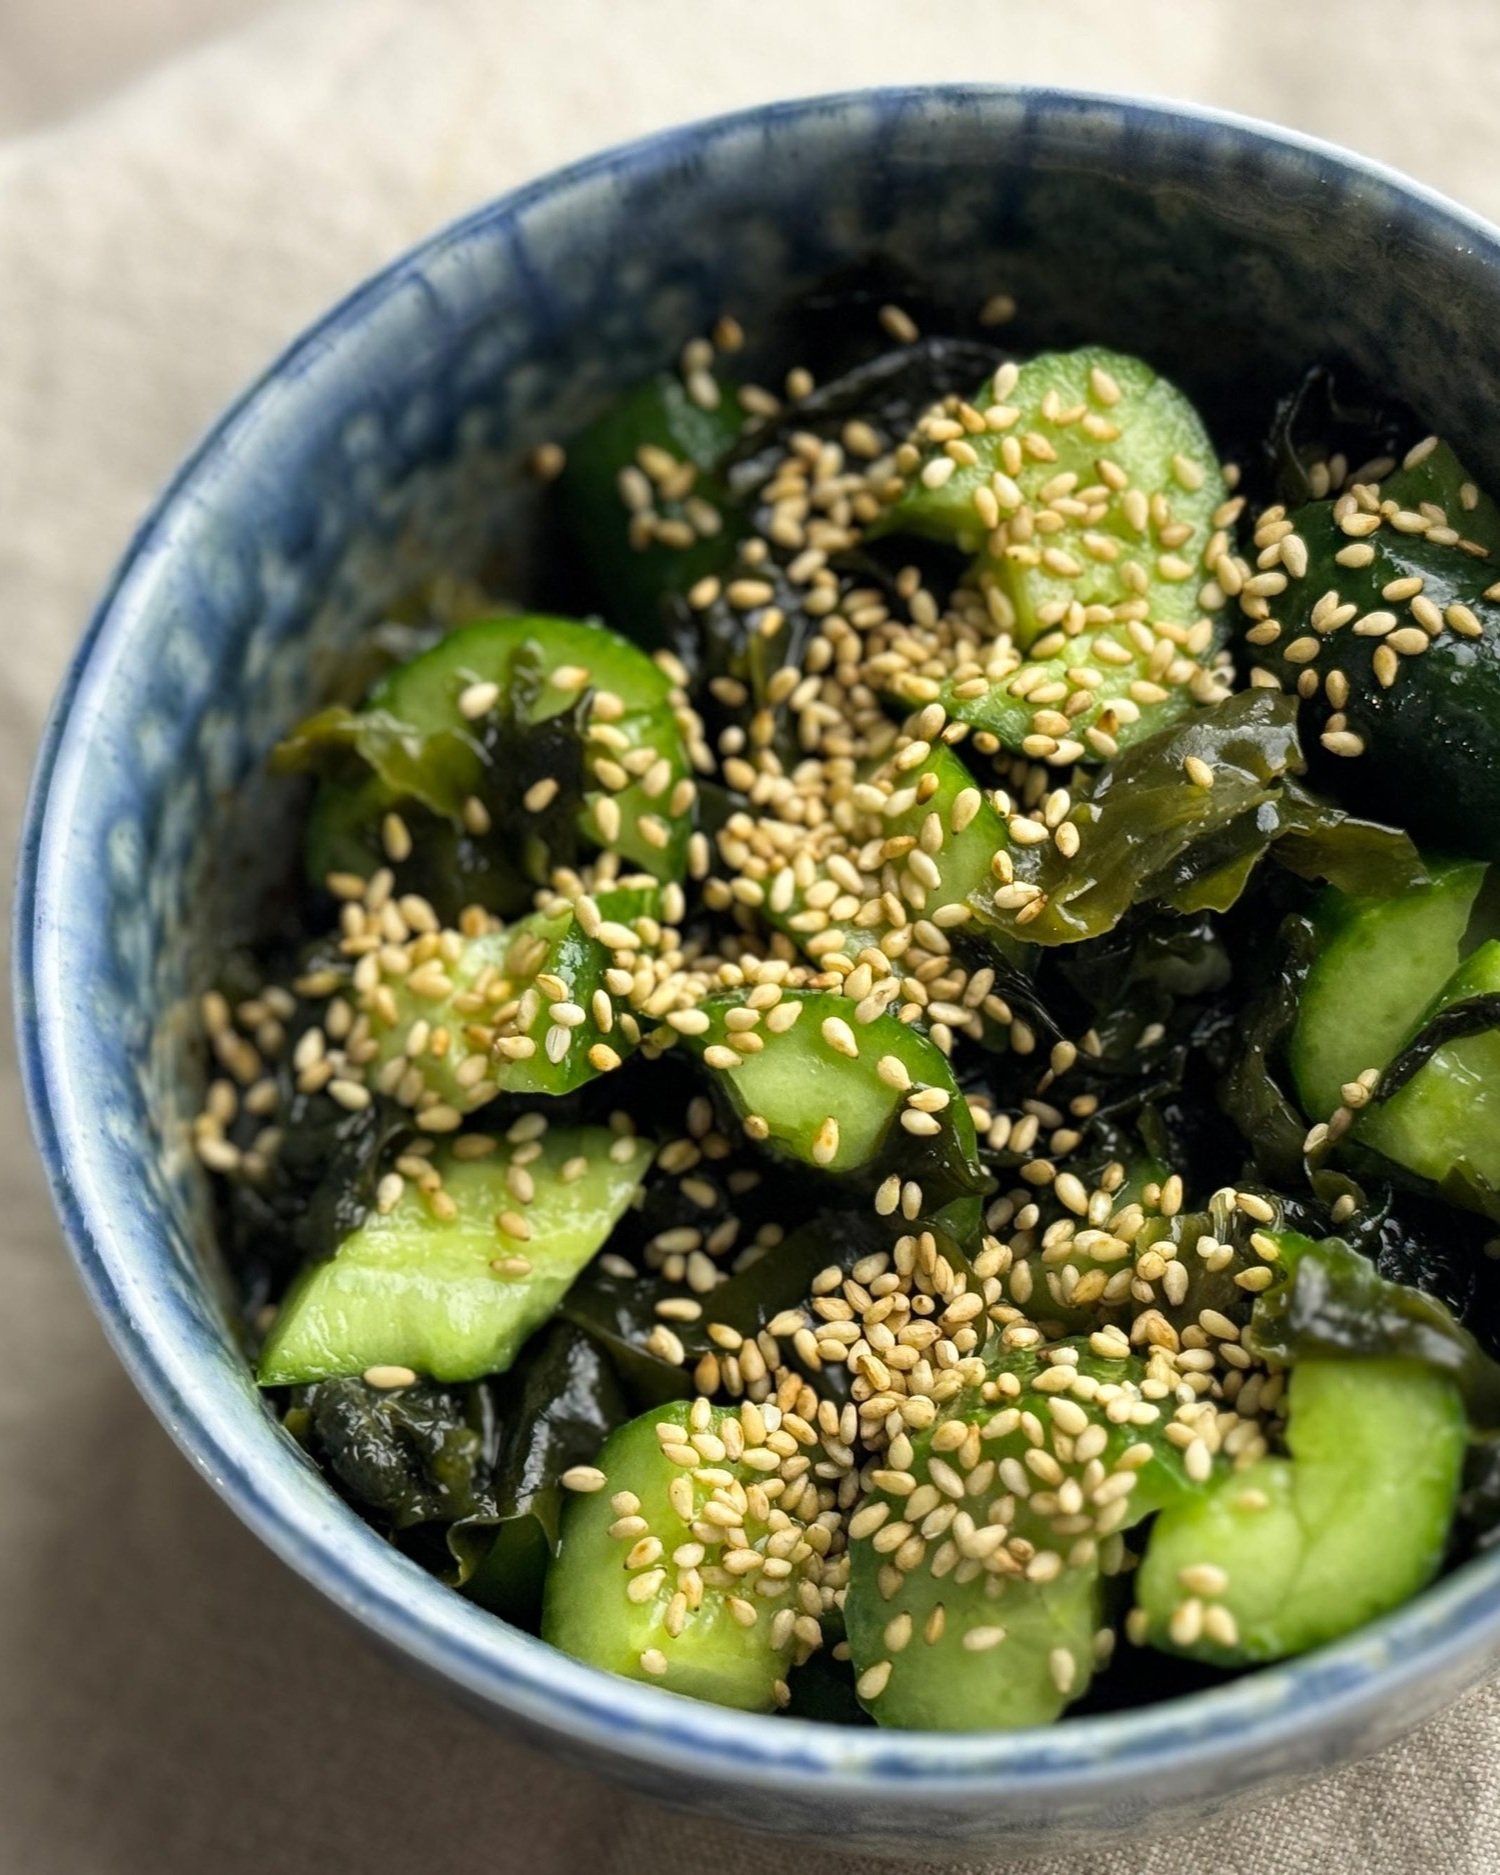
(454,1297)
(795,1086)
(1379,964)
(942,1685)
(623,1593)
(493,1030)
(1105,592)
(1446,1120)
(1131,700)
(1297,1551)
(934,806)
(976,1631)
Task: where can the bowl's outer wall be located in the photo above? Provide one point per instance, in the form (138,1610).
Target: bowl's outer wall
(390,445)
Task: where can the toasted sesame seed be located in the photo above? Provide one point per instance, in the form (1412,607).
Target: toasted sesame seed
(899,324)
(1463,620)
(477,700)
(583,1478)
(937,473)
(840,1037)
(874,1680)
(388,1377)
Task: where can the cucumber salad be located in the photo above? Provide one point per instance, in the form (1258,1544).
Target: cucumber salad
(889,1105)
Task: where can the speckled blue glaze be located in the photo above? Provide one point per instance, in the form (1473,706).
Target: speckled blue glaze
(389,442)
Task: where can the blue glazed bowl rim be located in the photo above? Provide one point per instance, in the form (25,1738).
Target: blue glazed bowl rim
(1389,1662)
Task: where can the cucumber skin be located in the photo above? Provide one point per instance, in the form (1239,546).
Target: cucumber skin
(632,583)
(1335,1545)
(1447,1116)
(1429,762)
(409,1290)
(1379,963)
(586,1612)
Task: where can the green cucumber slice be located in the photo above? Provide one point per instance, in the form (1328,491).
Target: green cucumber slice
(580,741)
(677,1570)
(1444,1124)
(1409,618)
(953,1627)
(1379,963)
(1297,1551)
(927,833)
(488,1020)
(651,460)
(1115,461)
(809,1079)
(455,1296)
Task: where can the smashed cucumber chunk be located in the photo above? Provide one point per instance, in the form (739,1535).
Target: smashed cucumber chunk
(1293,1551)
(624,1592)
(979,1563)
(1089,503)
(454,1296)
(567,736)
(502,1016)
(1088,1276)
(1138,681)
(1061,414)
(923,838)
(643,499)
(1401,594)
(1379,963)
(1296,1551)
(812,1081)
(1444,1122)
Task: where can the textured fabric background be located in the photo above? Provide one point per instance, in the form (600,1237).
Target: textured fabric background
(171,1701)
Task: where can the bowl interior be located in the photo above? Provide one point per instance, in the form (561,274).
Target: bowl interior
(390,446)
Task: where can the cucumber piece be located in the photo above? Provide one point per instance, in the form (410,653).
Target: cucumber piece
(1444,1123)
(922,836)
(1089,1277)
(455,1296)
(791,1077)
(1420,671)
(1293,1552)
(977,1576)
(1379,962)
(482,1023)
(650,463)
(575,705)
(653,1577)
(1134,691)
(1115,461)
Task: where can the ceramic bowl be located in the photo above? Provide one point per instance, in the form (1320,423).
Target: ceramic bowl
(390,442)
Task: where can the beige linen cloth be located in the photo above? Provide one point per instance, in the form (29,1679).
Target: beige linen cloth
(173,1702)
